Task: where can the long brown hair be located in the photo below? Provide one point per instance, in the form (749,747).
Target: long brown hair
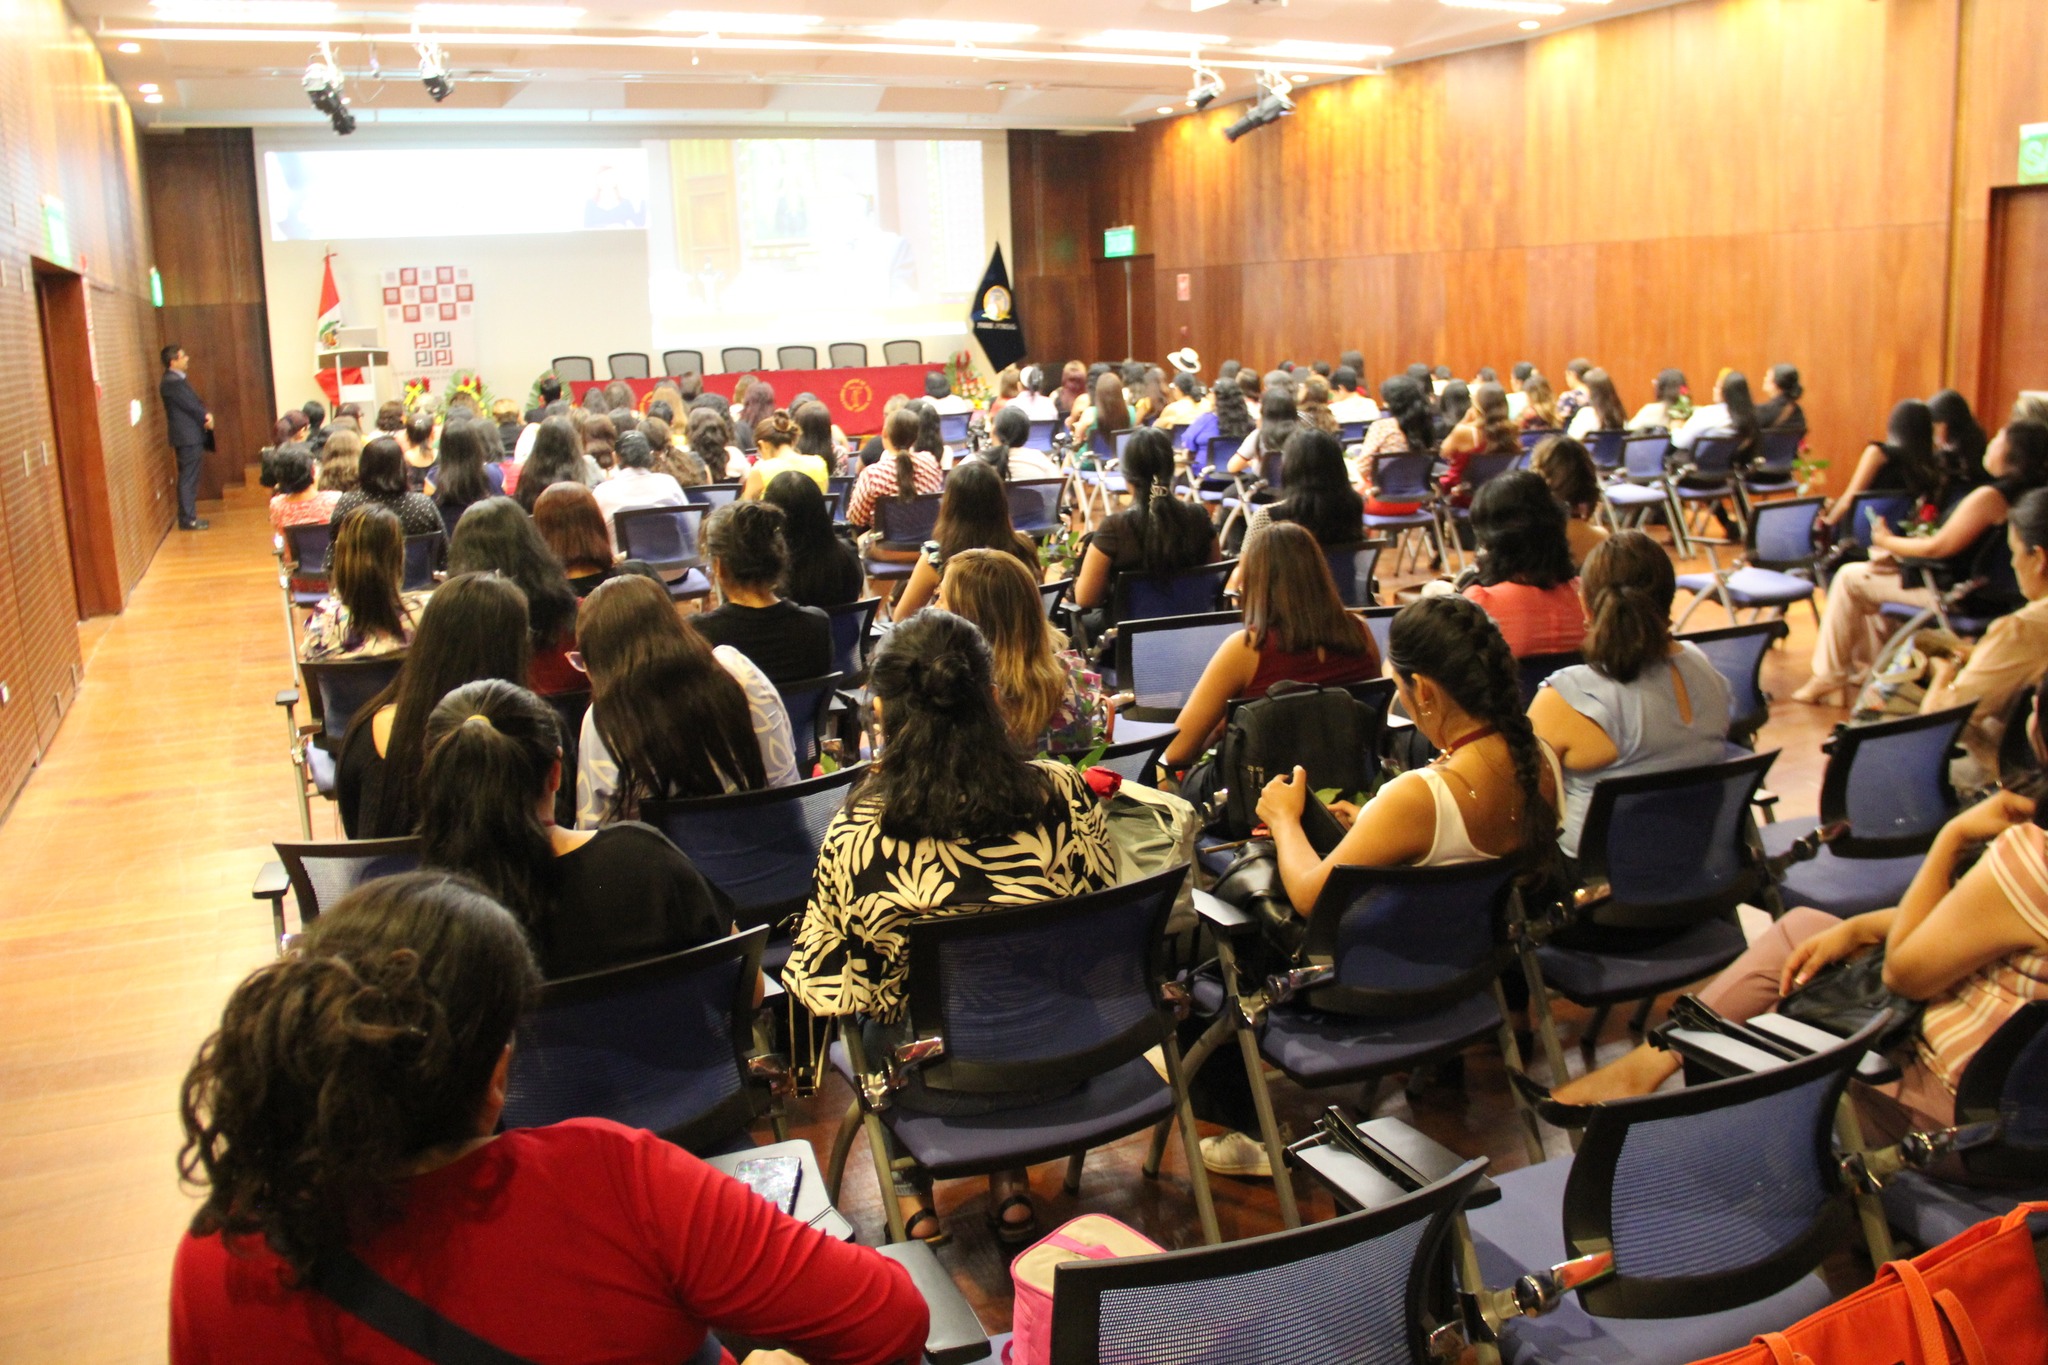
(1604,400)
(999,595)
(570,521)
(1542,400)
(1496,428)
(674,720)
(1628,586)
(369,566)
(1290,598)
(974,514)
(1111,412)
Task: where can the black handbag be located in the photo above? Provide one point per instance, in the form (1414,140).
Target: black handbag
(1844,996)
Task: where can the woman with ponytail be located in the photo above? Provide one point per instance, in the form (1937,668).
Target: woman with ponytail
(487,810)
(1157,533)
(1642,702)
(345,1116)
(903,471)
(1405,429)
(950,815)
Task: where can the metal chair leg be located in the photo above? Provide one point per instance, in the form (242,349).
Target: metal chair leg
(1204,1048)
(885,1176)
(1877,1233)
(1590,1039)
(1269,1132)
(1072,1184)
(842,1144)
(1472,1282)
(1511,1053)
(1641,1019)
(1184,1115)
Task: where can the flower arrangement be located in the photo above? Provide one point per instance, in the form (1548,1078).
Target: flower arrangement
(533,394)
(471,383)
(965,380)
(415,390)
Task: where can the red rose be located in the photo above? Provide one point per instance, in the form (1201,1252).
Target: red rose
(1104,782)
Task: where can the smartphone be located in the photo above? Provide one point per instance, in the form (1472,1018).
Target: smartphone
(1323,831)
(774,1178)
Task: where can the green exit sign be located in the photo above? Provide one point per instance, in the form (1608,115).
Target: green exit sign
(2034,154)
(1119,241)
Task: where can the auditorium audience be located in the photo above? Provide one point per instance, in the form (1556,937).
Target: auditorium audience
(1517,390)
(1642,702)
(1732,413)
(1073,389)
(1314,404)
(1224,426)
(366,612)
(824,571)
(474,626)
(1156,534)
(816,433)
(1780,408)
(1107,414)
(1959,440)
(670,716)
(466,471)
(557,457)
(380,481)
(1577,393)
(297,502)
(600,441)
(1670,407)
(902,471)
(974,514)
(749,557)
(1183,400)
(1567,469)
(419,444)
(1279,415)
(635,483)
(940,395)
(1525,579)
(1904,462)
(1148,395)
(1008,454)
(1452,405)
(950,815)
(1347,404)
(571,523)
(340,463)
(776,436)
(1318,496)
(1599,409)
(758,404)
(1402,428)
(1539,408)
(1484,430)
(1047,693)
(710,439)
(496,537)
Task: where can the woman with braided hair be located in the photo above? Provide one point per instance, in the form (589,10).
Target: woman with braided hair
(1157,533)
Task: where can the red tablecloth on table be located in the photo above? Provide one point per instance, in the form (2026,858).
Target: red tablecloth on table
(854,395)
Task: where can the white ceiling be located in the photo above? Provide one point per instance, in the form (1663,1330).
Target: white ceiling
(619,61)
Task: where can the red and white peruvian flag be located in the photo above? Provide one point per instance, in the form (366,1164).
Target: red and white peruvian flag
(327,334)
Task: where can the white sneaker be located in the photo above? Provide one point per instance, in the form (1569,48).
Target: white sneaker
(1236,1154)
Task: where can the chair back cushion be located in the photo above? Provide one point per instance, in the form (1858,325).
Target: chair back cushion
(1675,847)
(758,848)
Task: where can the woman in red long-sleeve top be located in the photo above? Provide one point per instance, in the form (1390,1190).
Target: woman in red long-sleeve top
(349,1103)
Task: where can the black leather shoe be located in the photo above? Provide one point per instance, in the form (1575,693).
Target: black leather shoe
(196,524)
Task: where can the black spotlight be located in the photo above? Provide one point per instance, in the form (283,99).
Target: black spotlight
(1207,86)
(1271,106)
(434,70)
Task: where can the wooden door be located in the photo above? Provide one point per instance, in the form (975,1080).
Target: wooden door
(2015,301)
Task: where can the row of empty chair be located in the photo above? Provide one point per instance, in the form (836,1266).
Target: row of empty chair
(840,355)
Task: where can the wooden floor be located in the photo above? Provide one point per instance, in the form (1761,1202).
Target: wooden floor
(125,919)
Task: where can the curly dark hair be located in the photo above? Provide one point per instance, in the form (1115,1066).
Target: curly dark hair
(370,1044)
(1520,527)
(746,539)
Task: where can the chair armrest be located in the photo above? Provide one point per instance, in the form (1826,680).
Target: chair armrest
(1398,1160)
(956,1335)
(272,883)
(1220,914)
(1721,1056)
(1872,1068)
(771,989)
(288,697)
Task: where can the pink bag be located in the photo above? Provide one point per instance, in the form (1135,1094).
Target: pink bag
(1093,1236)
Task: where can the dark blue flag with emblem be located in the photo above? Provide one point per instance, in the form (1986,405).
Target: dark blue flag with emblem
(994,316)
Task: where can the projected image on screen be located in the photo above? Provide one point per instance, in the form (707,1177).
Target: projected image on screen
(414,192)
(775,238)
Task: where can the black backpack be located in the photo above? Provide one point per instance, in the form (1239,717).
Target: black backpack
(1333,732)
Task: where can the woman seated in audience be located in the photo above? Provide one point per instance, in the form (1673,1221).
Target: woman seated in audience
(903,471)
(790,642)
(1184,400)
(951,814)
(1319,496)
(467,470)
(974,514)
(775,437)
(709,437)
(506,417)
(1780,408)
(1568,471)
(1148,395)
(366,612)
(1959,441)
(1904,462)
(349,1103)
(823,569)
(473,627)
(818,434)
(339,463)
(571,523)
(872,449)
(1732,413)
(1296,629)
(1314,404)
(2010,658)
(1108,414)
(1009,456)
(930,437)
(600,441)
(1601,410)
(1961,547)
(496,537)
(419,446)
(557,457)
(1669,409)
(1525,579)
(1642,702)
(1452,405)
(1972,944)
(1278,418)
(669,715)
(488,783)
(755,408)
(1226,423)
(1052,700)
(1156,534)
(1404,428)
(1539,411)
(380,481)
(297,502)
(1484,430)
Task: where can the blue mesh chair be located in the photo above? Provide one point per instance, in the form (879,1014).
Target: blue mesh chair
(2003,1093)
(335,690)
(1889,783)
(1529,440)
(573,369)
(1718,1202)
(1040,438)
(629,364)
(1605,447)
(423,554)
(1402,967)
(306,552)
(1737,654)
(1999,582)
(1353,568)
(1641,486)
(1131,759)
(1185,592)
(1480,470)
(953,427)
(660,1045)
(1777,459)
(675,364)
(1031,998)
(847,355)
(1775,573)
(852,624)
(1664,860)
(1531,670)
(1035,505)
(1159,662)
(712,496)
(1889,508)
(666,539)
(319,874)
(1102,484)
(903,352)
(1380,621)
(902,524)
(1352,1291)
(1706,477)
(796,357)
(838,487)
(1254,484)
(808,701)
(734,359)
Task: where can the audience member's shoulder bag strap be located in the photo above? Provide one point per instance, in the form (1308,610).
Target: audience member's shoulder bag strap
(364,1294)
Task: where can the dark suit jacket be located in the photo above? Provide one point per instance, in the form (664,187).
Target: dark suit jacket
(184,410)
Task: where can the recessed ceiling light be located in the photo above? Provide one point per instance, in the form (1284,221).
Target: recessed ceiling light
(951,31)
(152,99)
(246,11)
(738,21)
(497,16)
(1527,25)
(1152,37)
(1165,109)
(1505,6)
(147,87)
(130,49)
(1198,6)
(1299,80)
(1309,51)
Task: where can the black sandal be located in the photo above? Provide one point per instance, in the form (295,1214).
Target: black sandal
(916,1220)
(1009,1233)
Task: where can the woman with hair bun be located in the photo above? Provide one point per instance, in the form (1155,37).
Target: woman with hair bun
(776,436)
(951,814)
(749,558)
(1642,702)
(1156,533)
(345,1115)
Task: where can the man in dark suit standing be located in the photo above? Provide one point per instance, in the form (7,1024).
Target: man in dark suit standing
(186,416)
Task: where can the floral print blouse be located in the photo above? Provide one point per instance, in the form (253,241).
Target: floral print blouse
(852,954)
(1082,718)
